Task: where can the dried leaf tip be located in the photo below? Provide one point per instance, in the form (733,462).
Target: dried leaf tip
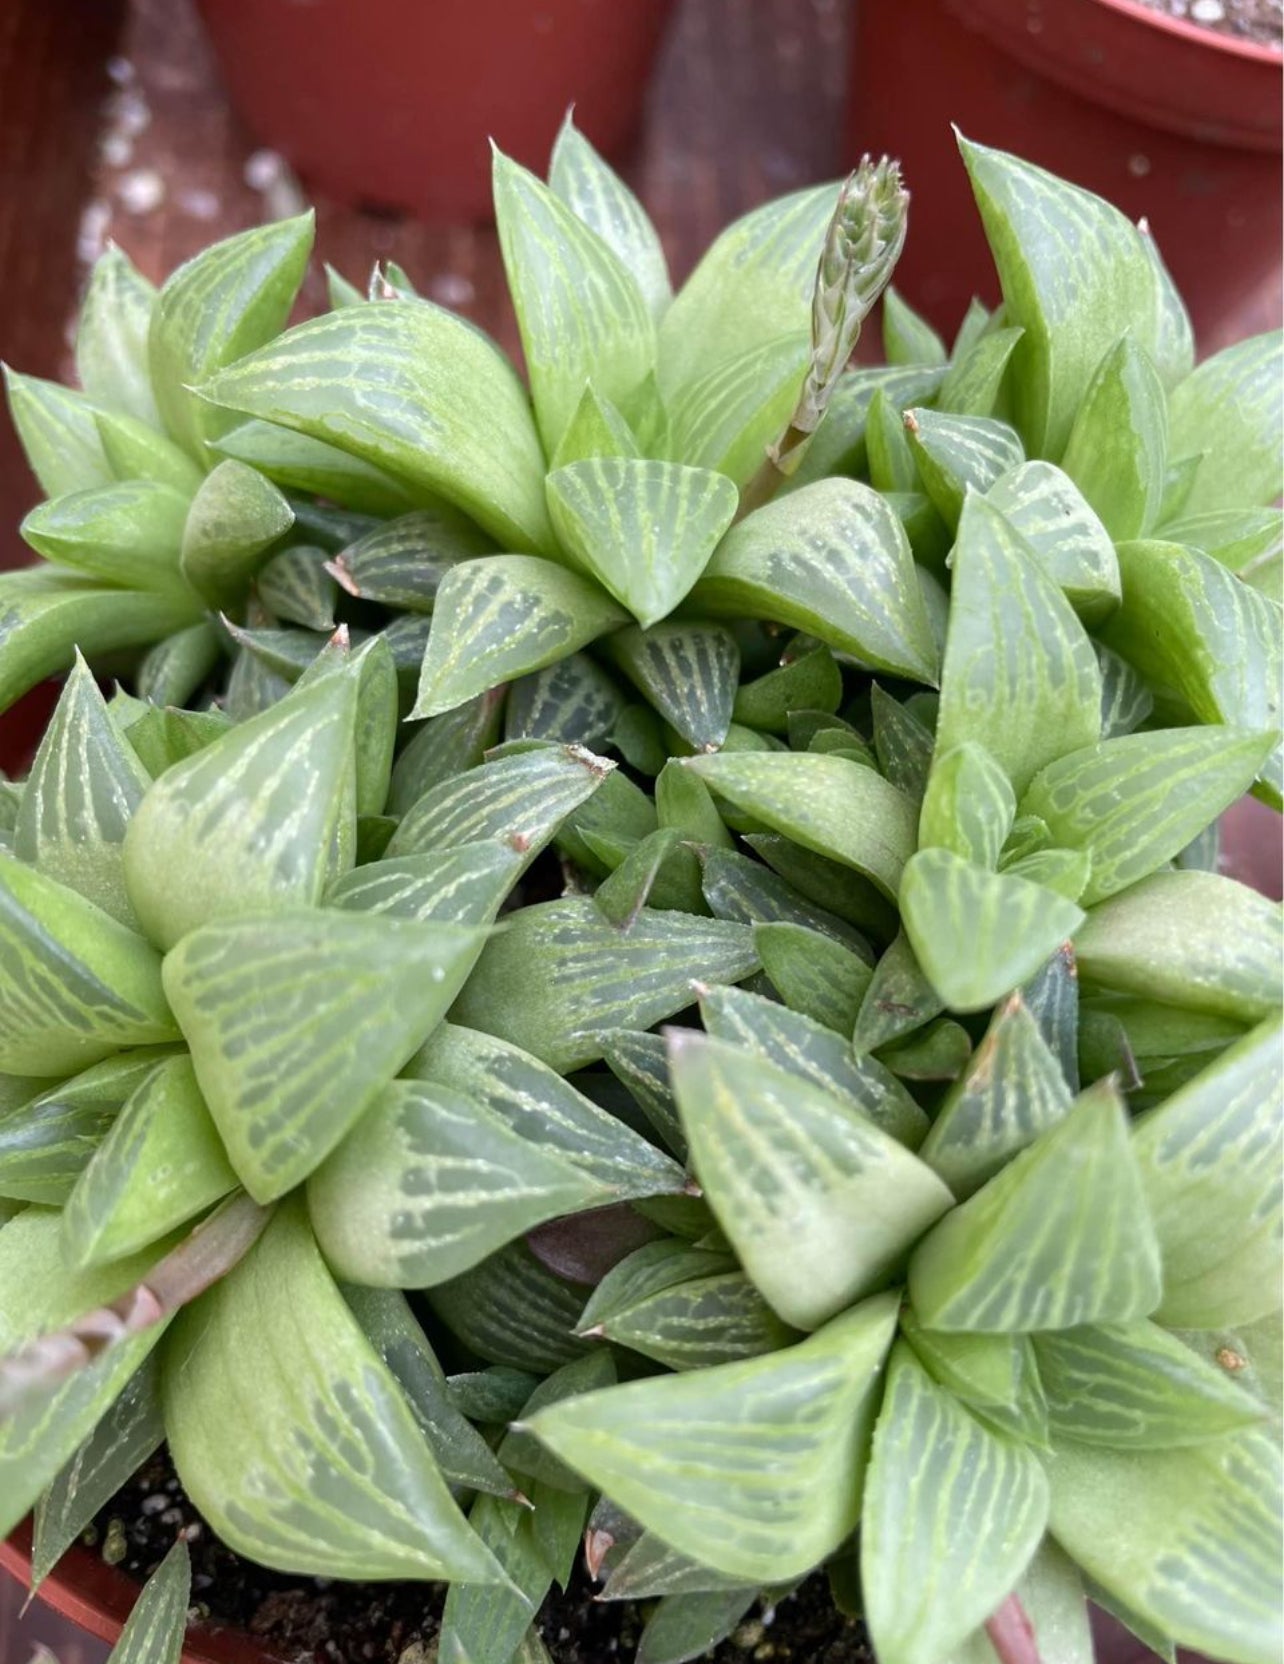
(600,766)
(597,1545)
(342,574)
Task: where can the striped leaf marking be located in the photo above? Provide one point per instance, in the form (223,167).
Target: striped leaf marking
(746,892)
(1011,1092)
(728,418)
(650,1568)
(111,337)
(322,1467)
(839,445)
(249,821)
(418,392)
(592,977)
(1208,1166)
(580,311)
(126,534)
(75,985)
(174,670)
(296,1021)
(1231,410)
(298,462)
(955,454)
(1060,1237)
(1189,1539)
(1052,1599)
(466,885)
(513,1311)
(574,702)
(84,785)
(58,432)
(444,746)
(753,1468)
(155,1629)
(1044,506)
(975,377)
(599,197)
(818,1202)
(812,973)
(687,672)
(644,529)
(1135,802)
(953,1515)
(161,1163)
(501,616)
(899,999)
(1020,676)
(1134,1386)
(597,429)
(969,805)
(1126,701)
(640,1062)
(833,560)
(977,934)
(1117,451)
(827,804)
(402,562)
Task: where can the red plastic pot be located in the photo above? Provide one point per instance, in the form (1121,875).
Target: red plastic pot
(391,103)
(1168,120)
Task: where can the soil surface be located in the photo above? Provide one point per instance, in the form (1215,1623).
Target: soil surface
(1261,21)
(314,1621)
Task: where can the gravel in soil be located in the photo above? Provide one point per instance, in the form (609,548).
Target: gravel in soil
(307,1620)
(1259,21)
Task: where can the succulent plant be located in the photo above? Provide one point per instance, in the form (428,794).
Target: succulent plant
(770,1020)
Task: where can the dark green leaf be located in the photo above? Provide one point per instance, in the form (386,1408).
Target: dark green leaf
(688,672)
(812,973)
(512,1310)
(573,702)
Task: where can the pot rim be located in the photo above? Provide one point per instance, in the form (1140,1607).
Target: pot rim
(1195,33)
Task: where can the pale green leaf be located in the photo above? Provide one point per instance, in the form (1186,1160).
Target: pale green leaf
(899,999)
(597,429)
(156,1627)
(502,616)
(1020,676)
(174,671)
(1044,506)
(403,561)
(324,1469)
(1126,701)
(295,587)
(466,885)
(591,977)
(300,462)
(753,1468)
(228,300)
(728,418)
(1134,803)
(1052,1598)
(111,338)
(955,454)
(832,560)
(58,432)
(978,934)
(828,804)
(1118,446)
(1060,1237)
(1242,539)
(233,521)
(839,443)
(415,390)
(479,1622)
(953,1516)
(298,1018)
(968,807)
(644,529)
(599,197)
(686,672)
(1232,410)
(247,822)
(127,533)
(820,1205)
(974,381)
(907,337)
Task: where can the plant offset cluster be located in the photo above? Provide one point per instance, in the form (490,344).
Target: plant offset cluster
(879,721)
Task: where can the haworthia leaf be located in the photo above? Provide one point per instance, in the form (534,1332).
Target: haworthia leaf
(1188,1539)
(908,338)
(947,1493)
(444,746)
(812,973)
(522,1452)
(1242,539)
(234,519)
(1020,676)
(812,682)
(834,807)
(593,978)
(833,560)
(974,381)
(231,298)
(173,671)
(796,1043)
(111,338)
(295,586)
(1044,506)
(644,529)
(849,898)
(1232,412)
(754,284)
(58,432)
(154,1630)
(687,672)
(988,1373)
(512,1310)
(574,702)
(247,822)
(127,533)
(753,1468)
(297,1019)
(1193,939)
(1135,802)
(1118,446)
(1126,701)
(597,429)
(640,1062)
(1207,1161)
(1075,274)
(466,885)
(84,785)
(160,1164)
(1074,1200)
(649,1567)
(728,418)
(38,1295)
(1188,624)
(75,985)
(979,934)
(402,562)
(580,311)
(939,1052)
(600,198)
(746,892)
(899,999)
(502,616)
(136,451)
(799,1179)
(299,462)
(330,1473)
(955,454)
(902,742)
(684,1627)
(1012,1091)
(520,799)
(1136,1387)
(128,1433)
(968,806)
(839,444)
(481,1622)
(415,390)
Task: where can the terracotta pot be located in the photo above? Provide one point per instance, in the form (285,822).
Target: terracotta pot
(1168,120)
(22,725)
(391,103)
